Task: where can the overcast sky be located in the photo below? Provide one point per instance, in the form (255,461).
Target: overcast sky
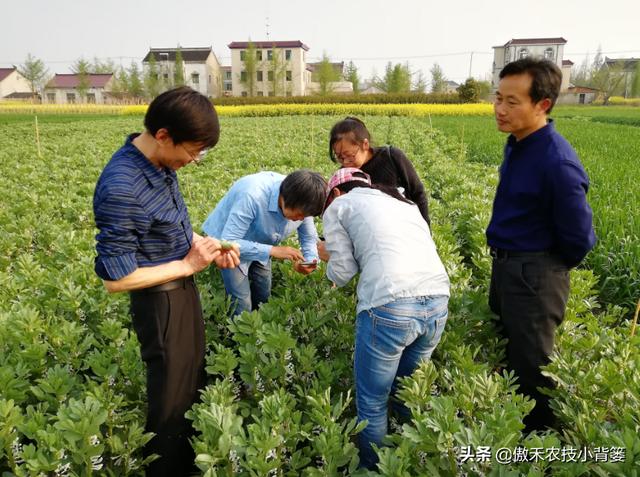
(370,33)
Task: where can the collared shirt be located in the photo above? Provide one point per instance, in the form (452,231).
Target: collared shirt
(140,213)
(388,242)
(249,215)
(541,202)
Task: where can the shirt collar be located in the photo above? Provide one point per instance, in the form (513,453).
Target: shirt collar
(274,197)
(532,138)
(155,176)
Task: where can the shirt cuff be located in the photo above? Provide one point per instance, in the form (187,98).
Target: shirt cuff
(115,267)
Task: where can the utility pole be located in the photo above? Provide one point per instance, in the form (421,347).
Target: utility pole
(470,63)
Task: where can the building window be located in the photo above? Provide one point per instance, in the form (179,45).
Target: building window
(195,78)
(166,76)
(259,76)
(217,80)
(245,94)
(164,56)
(242,55)
(523,53)
(288,75)
(271,93)
(91,98)
(227,86)
(269,55)
(287,55)
(288,93)
(243,76)
(270,75)
(71,97)
(259,55)
(227,75)
(51,97)
(548,54)
(260,93)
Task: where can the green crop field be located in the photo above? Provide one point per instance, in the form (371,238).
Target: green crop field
(279,400)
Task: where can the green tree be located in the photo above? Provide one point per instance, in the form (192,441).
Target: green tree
(351,75)
(178,69)
(102,67)
(82,68)
(484,90)
(277,71)
(251,66)
(420,83)
(152,82)
(397,79)
(135,87)
(438,80)
(609,80)
(120,85)
(468,91)
(35,73)
(325,74)
(580,75)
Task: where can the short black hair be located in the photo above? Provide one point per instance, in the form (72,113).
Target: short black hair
(350,126)
(305,191)
(546,78)
(186,114)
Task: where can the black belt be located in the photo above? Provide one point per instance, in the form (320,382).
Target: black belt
(499,253)
(165,287)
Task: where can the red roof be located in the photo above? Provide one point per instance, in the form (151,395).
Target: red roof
(536,41)
(581,89)
(234,45)
(4,72)
(567,63)
(72,80)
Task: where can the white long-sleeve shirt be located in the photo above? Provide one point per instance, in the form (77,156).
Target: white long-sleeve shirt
(388,242)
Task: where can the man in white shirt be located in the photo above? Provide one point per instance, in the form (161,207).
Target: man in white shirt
(403,290)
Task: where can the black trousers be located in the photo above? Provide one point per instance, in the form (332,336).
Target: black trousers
(170,329)
(529,293)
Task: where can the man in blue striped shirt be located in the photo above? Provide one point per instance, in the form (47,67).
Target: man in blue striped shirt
(541,225)
(146,246)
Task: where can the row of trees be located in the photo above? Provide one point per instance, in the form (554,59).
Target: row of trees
(610,78)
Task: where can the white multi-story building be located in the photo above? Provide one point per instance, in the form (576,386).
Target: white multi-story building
(202,70)
(284,74)
(517,48)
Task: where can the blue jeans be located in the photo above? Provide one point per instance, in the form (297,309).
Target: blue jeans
(247,291)
(391,340)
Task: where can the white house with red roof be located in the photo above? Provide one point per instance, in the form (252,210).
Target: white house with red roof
(69,89)
(292,78)
(13,85)
(517,48)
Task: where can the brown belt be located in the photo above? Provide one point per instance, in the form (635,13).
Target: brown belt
(165,287)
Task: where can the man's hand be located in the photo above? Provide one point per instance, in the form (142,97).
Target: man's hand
(322,251)
(305,269)
(203,251)
(229,258)
(286,253)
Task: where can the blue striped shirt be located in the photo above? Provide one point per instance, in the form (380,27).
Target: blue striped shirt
(140,214)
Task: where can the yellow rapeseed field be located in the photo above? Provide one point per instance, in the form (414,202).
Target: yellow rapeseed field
(483,109)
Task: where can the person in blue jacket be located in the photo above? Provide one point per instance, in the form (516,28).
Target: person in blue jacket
(258,213)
